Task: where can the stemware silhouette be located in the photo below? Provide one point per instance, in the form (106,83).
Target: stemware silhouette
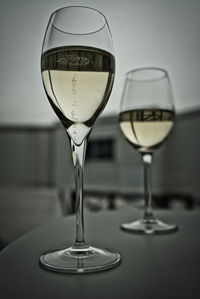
(146,118)
(78,68)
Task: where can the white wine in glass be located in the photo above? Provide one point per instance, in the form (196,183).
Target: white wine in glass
(78,68)
(78,81)
(146,119)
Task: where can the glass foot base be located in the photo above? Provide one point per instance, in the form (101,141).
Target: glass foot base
(149,226)
(85,260)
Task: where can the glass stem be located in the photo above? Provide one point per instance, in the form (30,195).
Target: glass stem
(78,155)
(147,162)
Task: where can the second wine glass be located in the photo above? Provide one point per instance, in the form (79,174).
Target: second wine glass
(146,118)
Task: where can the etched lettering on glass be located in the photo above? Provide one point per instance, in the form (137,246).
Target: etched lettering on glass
(73,61)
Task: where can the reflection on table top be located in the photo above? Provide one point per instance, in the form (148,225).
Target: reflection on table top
(160,266)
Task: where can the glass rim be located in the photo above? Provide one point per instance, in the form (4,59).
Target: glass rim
(78,6)
(130,75)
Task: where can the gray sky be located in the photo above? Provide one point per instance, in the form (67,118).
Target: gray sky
(163,33)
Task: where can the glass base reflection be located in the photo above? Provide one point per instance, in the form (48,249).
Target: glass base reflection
(80,260)
(149,227)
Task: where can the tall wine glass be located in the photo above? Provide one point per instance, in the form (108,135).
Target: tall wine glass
(78,68)
(146,118)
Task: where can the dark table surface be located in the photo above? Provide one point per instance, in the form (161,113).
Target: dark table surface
(153,266)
